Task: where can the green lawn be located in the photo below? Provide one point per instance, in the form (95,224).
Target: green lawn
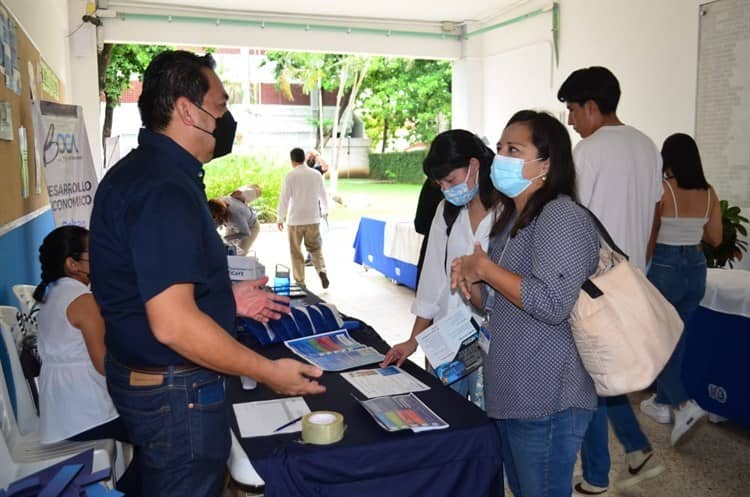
(371,198)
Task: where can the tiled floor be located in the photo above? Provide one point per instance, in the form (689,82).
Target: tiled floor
(713,462)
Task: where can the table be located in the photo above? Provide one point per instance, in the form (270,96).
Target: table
(463,460)
(390,247)
(716,366)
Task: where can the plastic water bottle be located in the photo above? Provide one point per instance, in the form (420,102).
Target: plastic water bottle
(281,282)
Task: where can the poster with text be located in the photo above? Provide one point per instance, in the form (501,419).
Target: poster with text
(68,166)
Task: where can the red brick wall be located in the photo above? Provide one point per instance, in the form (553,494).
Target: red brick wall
(268,93)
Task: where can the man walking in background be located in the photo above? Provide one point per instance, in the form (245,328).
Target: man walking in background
(303,197)
(618,176)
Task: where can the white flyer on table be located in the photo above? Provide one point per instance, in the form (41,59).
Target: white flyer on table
(263,418)
(384,381)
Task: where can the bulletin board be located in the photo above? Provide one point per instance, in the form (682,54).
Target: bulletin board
(723,103)
(22,71)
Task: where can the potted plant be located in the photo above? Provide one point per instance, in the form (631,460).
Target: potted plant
(731,249)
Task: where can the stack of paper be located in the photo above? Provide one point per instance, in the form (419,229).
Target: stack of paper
(260,419)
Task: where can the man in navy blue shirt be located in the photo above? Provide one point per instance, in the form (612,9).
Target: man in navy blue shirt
(159,273)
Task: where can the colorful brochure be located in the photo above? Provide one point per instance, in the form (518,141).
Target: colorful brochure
(384,381)
(402,412)
(452,346)
(334,351)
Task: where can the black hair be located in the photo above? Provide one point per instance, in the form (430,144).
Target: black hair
(297,155)
(592,83)
(57,246)
(552,141)
(680,155)
(170,75)
(453,149)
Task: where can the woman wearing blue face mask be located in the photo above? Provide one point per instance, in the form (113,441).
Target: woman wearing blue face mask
(460,163)
(535,385)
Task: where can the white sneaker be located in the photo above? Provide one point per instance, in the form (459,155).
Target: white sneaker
(684,419)
(583,489)
(661,413)
(715,418)
(641,466)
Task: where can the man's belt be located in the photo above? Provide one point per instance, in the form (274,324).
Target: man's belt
(177,368)
(151,376)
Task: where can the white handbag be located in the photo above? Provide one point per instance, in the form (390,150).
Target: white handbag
(624,328)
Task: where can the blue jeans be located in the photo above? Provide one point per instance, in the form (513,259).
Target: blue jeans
(595,448)
(180,426)
(680,275)
(539,453)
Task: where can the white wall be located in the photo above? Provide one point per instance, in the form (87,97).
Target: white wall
(651,47)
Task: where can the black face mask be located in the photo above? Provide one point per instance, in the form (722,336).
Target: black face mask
(223,133)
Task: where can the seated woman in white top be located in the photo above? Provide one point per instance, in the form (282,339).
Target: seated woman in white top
(689,214)
(73,400)
(460,163)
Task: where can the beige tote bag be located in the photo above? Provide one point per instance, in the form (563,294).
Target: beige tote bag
(624,328)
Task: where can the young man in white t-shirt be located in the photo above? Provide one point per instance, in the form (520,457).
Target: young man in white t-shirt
(618,176)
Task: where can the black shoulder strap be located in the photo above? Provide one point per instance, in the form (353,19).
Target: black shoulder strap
(450,217)
(603,232)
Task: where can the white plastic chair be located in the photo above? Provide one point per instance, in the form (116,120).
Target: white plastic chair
(240,467)
(26,416)
(29,307)
(11,316)
(22,455)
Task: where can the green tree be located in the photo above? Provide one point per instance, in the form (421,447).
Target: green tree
(117,63)
(313,71)
(410,95)
(343,73)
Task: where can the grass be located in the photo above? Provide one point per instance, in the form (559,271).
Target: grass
(372,198)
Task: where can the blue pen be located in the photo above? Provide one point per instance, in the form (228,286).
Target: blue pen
(287,425)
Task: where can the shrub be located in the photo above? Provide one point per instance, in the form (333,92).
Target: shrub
(399,167)
(225,175)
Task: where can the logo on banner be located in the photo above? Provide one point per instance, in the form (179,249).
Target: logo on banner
(68,165)
(64,143)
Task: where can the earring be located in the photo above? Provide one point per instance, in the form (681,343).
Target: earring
(544,178)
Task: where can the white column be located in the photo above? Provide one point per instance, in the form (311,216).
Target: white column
(468,94)
(84,77)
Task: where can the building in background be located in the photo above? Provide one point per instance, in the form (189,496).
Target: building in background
(267,122)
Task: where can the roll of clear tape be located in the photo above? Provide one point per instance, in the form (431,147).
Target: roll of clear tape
(322,427)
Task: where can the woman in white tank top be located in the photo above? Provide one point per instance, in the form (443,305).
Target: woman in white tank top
(73,400)
(689,214)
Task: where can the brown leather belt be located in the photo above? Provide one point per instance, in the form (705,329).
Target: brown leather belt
(178,368)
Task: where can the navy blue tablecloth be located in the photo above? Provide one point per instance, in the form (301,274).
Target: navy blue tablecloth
(463,460)
(368,251)
(715,368)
